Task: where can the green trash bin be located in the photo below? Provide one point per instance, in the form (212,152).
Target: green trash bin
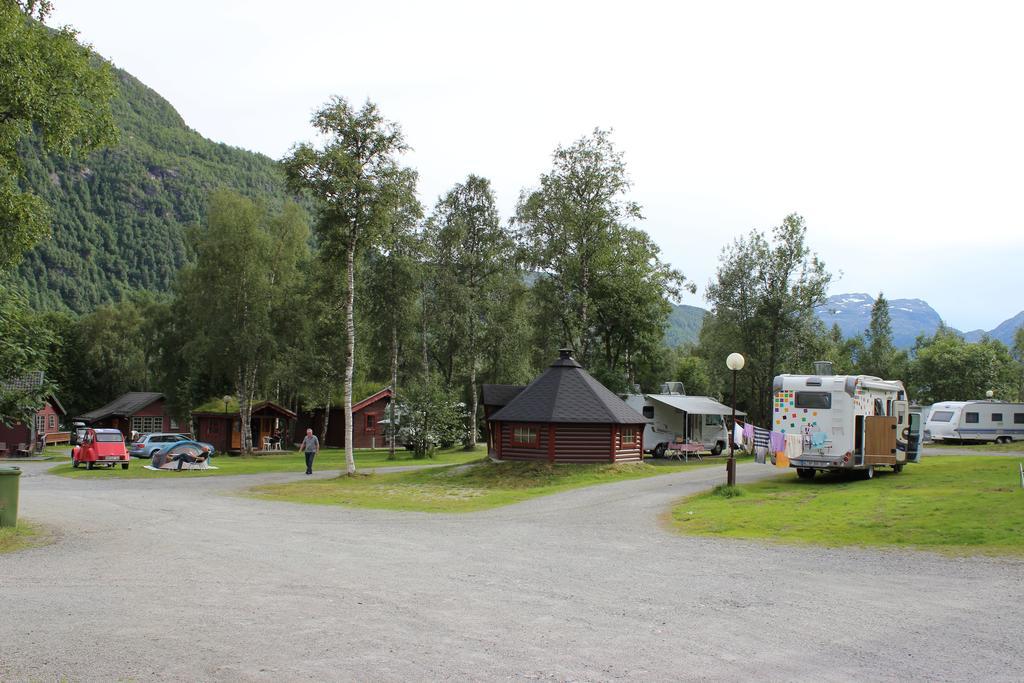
(9,495)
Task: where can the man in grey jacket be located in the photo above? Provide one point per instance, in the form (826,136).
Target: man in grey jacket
(310,446)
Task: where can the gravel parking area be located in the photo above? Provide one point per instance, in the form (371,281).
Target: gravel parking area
(178,579)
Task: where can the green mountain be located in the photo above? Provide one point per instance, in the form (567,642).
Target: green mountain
(119,215)
(683,326)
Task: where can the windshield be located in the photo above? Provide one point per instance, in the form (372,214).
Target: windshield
(941,416)
(108,437)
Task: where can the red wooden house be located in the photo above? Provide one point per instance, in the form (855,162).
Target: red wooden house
(367,429)
(46,420)
(218,423)
(565,415)
(144,412)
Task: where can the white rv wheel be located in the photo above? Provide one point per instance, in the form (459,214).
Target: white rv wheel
(868,473)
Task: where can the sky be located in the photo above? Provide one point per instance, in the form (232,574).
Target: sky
(896,129)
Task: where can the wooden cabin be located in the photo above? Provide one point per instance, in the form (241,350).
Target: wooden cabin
(218,423)
(368,426)
(45,422)
(565,415)
(144,412)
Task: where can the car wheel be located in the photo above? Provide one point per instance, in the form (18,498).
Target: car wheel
(90,465)
(805,472)
(124,466)
(717,450)
(74,463)
(659,451)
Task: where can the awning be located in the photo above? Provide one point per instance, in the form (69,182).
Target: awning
(696,405)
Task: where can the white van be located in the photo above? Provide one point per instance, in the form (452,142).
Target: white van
(980,421)
(847,422)
(675,417)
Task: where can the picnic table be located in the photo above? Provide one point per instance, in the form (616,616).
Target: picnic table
(683,451)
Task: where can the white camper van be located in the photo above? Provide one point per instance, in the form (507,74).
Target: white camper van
(959,421)
(846,422)
(678,418)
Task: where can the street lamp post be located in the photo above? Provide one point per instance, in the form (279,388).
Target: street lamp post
(734,362)
(989,394)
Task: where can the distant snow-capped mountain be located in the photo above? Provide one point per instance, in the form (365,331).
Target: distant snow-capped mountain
(910,317)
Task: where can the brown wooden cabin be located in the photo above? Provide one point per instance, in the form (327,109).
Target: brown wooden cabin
(144,412)
(367,429)
(565,415)
(222,426)
(45,422)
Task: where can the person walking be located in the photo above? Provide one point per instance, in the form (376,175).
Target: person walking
(310,446)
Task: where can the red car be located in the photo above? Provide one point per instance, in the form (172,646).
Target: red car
(100,446)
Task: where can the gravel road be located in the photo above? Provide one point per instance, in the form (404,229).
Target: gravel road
(178,579)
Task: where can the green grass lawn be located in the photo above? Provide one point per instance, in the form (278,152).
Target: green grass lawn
(328,459)
(465,489)
(963,505)
(24,535)
(1012,447)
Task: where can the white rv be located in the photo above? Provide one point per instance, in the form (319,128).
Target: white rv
(846,422)
(675,417)
(960,421)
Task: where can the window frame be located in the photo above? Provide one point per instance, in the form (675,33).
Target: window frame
(1018,418)
(797,400)
(631,432)
(997,417)
(968,418)
(370,422)
(524,428)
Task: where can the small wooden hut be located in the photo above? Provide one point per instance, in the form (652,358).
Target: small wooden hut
(218,423)
(565,415)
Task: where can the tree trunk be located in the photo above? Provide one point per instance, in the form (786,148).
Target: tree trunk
(470,442)
(394,390)
(423,333)
(246,389)
(350,353)
(323,426)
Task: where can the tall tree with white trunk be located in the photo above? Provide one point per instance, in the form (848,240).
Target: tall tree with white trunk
(355,178)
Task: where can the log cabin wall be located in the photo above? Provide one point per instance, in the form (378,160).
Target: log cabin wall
(574,443)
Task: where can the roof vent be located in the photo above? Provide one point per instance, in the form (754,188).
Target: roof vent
(673,388)
(565,353)
(823,368)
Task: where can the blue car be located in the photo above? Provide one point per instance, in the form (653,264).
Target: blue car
(147,445)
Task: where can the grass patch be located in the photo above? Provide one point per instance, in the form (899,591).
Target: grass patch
(289,461)
(25,535)
(963,505)
(479,486)
(1012,447)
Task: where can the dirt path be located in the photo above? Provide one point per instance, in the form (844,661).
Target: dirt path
(180,580)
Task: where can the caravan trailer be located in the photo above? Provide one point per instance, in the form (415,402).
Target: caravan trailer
(960,421)
(675,417)
(846,422)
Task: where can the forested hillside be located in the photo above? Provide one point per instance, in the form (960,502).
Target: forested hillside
(119,215)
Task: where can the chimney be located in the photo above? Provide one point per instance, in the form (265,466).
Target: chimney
(564,353)
(823,368)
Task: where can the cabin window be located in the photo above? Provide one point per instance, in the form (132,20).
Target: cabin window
(526,435)
(649,412)
(971,418)
(371,422)
(712,420)
(628,436)
(997,417)
(148,424)
(1018,418)
(52,421)
(40,424)
(174,424)
(941,416)
(820,400)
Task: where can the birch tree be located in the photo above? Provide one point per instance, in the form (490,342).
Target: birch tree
(354,177)
(474,262)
